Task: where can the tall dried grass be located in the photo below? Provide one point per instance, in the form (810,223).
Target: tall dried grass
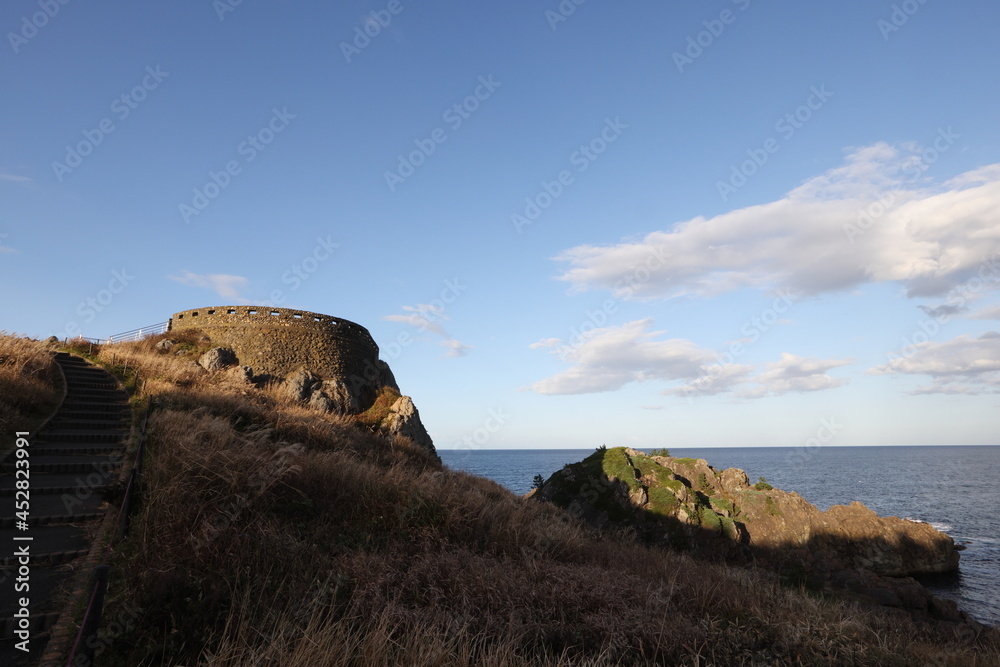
(29,385)
(273,535)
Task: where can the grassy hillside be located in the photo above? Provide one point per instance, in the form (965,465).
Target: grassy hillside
(29,386)
(270,534)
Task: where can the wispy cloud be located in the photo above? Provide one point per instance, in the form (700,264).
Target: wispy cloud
(223,284)
(962,365)
(14,178)
(428,317)
(4,248)
(796,374)
(609,358)
(930,239)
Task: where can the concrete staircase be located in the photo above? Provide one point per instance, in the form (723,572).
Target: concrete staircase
(74,460)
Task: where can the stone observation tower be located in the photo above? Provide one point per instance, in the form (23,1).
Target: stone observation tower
(329,362)
(278,341)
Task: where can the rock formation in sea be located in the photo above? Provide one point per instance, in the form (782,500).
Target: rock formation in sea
(686,504)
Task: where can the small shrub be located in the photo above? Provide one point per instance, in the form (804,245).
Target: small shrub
(762,485)
(537,482)
(661,451)
(703,482)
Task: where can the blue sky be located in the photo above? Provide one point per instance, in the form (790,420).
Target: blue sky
(659,224)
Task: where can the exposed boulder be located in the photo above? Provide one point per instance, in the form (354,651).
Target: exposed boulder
(241,375)
(342,399)
(299,385)
(217,358)
(404,420)
(165,345)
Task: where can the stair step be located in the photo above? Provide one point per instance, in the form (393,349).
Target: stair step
(60,464)
(82,435)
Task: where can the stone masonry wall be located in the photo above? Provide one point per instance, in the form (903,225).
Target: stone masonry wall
(279,341)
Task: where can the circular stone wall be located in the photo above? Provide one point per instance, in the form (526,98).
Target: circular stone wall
(279,341)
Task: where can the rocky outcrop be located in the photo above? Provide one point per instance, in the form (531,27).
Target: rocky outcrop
(371,393)
(217,358)
(404,420)
(686,504)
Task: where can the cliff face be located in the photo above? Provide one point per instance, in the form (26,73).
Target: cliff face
(686,504)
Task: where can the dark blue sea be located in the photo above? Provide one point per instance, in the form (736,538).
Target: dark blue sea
(955,489)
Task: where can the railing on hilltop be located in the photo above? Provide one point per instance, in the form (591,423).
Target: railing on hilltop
(126,336)
(140,333)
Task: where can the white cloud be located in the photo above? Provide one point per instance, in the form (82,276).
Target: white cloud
(428,317)
(422,316)
(715,379)
(930,238)
(4,248)
(14,178)
(224,285)
(962,365)
(796,374)
(456,348)
(608,358)
(988,313)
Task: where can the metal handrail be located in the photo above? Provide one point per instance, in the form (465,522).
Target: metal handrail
(141,332)
(91,621)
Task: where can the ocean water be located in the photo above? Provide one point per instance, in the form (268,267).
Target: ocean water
(955,489)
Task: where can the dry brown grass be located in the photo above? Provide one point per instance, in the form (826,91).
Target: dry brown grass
(272,535)
(29,385)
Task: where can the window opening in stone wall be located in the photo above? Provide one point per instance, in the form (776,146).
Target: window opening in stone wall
(274,312)
(297,316)
(194,314)
(211,312)
(232,311)
(316,319)
(251,312)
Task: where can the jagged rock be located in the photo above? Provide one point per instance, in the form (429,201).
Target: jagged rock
(217,358)
(52,340)
(299,385)
(404,420)
(165,345)
(385,377)
(318,400)
(241,375)
(342,398)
